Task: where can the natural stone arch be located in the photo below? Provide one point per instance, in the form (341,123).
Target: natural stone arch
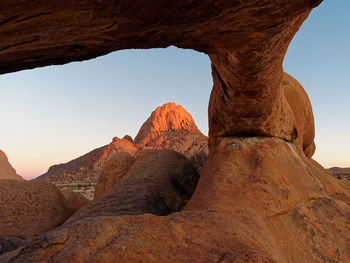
(245,40)
(259,198)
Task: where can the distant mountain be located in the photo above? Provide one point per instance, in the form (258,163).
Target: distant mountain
(169,127)
(340,173)
(6,170)
(87,167)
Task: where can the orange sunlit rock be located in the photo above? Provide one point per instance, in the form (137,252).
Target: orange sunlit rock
(6,170)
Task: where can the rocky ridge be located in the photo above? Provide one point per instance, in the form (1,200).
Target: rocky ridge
(340,173)
(87,167)
(6,170)
(169,127)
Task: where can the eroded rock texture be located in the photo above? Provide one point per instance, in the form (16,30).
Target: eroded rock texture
(30,208)
(260,197)
(156,182)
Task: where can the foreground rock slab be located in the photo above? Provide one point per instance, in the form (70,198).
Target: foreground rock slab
(264,201)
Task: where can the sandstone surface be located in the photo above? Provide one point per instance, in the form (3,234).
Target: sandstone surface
(30,208)
(158,182)
(6,170)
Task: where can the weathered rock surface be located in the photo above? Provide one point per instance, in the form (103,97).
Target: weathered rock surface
(94,28)
(158,182)
(88,166)
(114,170)
(30,208)
(264,201)
(6,170)
(74,200)
(171,127)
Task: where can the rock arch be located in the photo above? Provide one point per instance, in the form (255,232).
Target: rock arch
(259,199)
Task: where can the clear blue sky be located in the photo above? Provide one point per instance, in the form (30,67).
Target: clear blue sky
(54,114)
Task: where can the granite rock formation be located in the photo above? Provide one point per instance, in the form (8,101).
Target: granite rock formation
(166,118)
(30,208)
(264,201)
(171,127)
(300,105)
(88,166)
(6,170)
(260,198)
(157,182)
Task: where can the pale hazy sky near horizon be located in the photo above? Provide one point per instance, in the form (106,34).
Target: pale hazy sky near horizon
(54,114)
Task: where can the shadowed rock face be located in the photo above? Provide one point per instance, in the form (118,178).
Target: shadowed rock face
(157,182)
(74,200)
(114,169)
(260,198)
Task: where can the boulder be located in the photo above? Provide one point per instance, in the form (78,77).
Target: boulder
(158,182)
(30,208)
(114,170)
(74,200)
(128,138)
(300,105)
